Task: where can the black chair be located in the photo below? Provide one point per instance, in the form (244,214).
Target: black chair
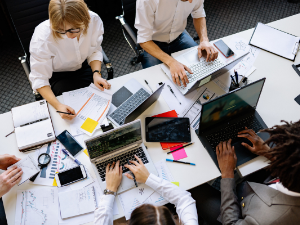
(129,31)
(25,16)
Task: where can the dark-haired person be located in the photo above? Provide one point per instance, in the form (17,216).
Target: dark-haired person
(146,214)
(258,203)
(66,52)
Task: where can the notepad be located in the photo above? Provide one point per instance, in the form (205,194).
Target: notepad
(33,125)
(77,202)
(275,41)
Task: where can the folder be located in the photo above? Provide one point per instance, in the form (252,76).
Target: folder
(275,41)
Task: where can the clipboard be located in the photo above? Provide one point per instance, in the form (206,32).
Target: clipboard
(275,41)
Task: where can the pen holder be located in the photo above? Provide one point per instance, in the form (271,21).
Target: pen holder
(233,86)
(242,83)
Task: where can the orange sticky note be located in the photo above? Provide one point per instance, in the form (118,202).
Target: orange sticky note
(89,125)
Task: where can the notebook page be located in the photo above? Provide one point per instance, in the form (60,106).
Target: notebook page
(30,112)
(274,41)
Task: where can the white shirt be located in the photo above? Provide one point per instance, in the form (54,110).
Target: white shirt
(164,20)
(185,204)
(279,187)
(48,55)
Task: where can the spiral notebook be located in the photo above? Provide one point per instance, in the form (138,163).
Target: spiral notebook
(77,202)
(275,41)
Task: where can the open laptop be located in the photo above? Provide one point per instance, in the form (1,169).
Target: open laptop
(122,144)
(130,101)
(203,71)
(223,117)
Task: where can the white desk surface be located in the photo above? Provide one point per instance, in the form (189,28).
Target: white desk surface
(276,103)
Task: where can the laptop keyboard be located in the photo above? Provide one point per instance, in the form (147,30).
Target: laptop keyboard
(139,152)
(127,107)
(231,132)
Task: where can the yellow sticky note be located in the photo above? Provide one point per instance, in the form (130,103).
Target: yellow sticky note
(176,183)
(54,182)
(86,152)
(89,125)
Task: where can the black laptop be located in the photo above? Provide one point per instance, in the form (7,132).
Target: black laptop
(222,118)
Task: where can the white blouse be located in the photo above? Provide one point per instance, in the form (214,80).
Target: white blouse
(48,55)
(185,204)
(164,20)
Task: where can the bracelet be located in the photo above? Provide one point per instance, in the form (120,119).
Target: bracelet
(96,71)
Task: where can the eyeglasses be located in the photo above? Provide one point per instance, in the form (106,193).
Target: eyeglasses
(72,31)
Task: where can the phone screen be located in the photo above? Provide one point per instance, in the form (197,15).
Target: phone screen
(224,49)
(167,129)
(69,142)
(71,175)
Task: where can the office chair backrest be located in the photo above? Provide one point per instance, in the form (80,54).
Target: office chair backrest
(129,10)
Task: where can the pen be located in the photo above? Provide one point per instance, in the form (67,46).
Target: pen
(173,93)
(34,122)
(148,86)
(67,153)
(236,76)
(171,160)
(65,113)
(132,174)
(180,147)
(10,133)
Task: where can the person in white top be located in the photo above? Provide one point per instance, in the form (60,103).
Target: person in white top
(161,31)
(146,214)
(66,53)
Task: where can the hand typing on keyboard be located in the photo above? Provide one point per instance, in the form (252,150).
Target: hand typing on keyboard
(113,176)
(139,170)
(207,50)
(178,72)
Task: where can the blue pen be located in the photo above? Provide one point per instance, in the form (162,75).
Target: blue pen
(171,160)
(67,153)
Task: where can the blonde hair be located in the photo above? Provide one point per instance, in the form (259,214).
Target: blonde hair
(74,12)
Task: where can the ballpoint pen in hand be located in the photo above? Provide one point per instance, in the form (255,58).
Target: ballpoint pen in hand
(173,93)
(132,175)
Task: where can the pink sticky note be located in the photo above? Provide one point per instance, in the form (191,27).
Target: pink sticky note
(179,154)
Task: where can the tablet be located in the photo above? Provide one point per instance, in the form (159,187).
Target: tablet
(167,129)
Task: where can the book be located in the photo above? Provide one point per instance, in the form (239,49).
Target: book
(33,125)
(275,41)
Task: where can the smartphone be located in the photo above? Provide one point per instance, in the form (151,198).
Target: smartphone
(69,142)
(223,48)
(70,176)
(167,129)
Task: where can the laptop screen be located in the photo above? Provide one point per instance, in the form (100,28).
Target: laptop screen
(230,105)
(119,137)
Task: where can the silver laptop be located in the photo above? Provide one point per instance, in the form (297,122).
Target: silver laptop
(203,71)
(121,144)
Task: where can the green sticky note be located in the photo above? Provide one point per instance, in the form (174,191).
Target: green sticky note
(176,183)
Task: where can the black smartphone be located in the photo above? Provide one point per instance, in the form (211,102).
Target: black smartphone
(70,176)
(69,142)
(223,48)
(167,129)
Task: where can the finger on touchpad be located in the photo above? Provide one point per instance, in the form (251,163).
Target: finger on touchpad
(240,140)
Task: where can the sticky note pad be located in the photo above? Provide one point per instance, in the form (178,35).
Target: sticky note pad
(89,125)
(179,154)
(176,183)
(86,152)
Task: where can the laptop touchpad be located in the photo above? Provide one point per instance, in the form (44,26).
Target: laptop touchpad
(126,183)
(242,153)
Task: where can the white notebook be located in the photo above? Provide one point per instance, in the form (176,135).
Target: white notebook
(33,125)
(77,202)
(275,41)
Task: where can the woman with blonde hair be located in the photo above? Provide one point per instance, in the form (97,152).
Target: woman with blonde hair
(66,53)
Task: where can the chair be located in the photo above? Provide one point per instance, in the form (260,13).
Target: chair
(129,31)
(25,16)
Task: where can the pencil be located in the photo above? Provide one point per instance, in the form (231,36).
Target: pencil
(180,147)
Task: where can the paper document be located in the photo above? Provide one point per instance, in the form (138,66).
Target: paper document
(29,168)
(37,207)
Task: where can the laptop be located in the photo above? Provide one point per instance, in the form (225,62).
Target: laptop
(122,144)
(223,117)
(203,71)
(130,101)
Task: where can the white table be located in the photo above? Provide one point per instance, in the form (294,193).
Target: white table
(276,103)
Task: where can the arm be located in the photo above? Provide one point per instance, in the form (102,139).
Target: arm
(104,212)
(98,80)
(185,204)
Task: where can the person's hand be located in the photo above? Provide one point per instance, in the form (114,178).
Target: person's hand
(259,147)
(226,159)
(7,160)
(66,108)
(139,170)
(211,52)
(113,176)
(100,82)
(9,178)
(177,71)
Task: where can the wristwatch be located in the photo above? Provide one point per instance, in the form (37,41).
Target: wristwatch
(108,192)
(96,71)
